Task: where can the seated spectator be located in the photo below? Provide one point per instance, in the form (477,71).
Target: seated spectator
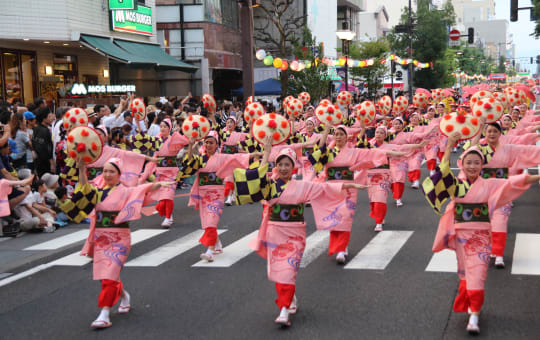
(32,212)
(51,182)
(61,196)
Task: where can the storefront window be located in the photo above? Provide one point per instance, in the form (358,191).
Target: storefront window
(12,80)
(28,67)
(65,67)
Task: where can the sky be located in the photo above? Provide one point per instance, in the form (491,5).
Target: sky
(526,45)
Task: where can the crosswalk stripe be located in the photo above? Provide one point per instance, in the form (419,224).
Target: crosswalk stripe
(316,244)
(231,254)
(168,251)
(526,254)
(137,236)
(61,241)
(378,253)
(443,261)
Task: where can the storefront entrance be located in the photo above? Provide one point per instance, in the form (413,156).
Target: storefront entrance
(18,75)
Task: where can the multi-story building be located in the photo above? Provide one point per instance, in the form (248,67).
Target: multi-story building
(48,46)
(394,8)
(373,25)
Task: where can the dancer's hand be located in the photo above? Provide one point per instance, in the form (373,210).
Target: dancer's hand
(154,159)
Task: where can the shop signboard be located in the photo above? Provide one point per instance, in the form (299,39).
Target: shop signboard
(79,89)
(137,21)
(122,4)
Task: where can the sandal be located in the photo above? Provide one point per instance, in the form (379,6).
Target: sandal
(124,309)
(101,324)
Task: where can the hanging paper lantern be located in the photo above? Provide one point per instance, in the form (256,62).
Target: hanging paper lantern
(350,62)
(308,64)
(260,54)
(278,62)
(301,65)
(294,65)
(253,111)
(284,65)
(370,62)
(268,60)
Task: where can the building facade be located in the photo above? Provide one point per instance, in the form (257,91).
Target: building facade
(47,47)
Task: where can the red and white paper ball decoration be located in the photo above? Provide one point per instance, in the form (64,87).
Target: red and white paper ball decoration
(137,108)
(400,104)
(250,100)
(253,111)
(75,117)
(437,95)
(329,114)
(271,125)
(420,100)
(84,142)
(196,127)
(467,125)
(367,111)
(286,100)
(515,96)
(385,105)
(294,108)
(503,98)
(305,98)
(479,95)
(344,98)
(209,102)
(490,108)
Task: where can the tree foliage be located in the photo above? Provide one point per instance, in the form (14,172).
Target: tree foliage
(536,14)
(277,27)
(313,80)
(429,43)
(372,75)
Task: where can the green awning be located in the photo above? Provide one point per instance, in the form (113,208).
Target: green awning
(136,54)
(155,54)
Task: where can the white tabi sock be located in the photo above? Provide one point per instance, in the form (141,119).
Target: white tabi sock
(473,319)
(103,315)
(209,252)
(125,299)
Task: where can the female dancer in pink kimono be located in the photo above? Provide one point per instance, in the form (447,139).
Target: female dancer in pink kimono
(501,160)
(310,136)
(208,191)
(379,179)
(339,163)
(465,226)
(110,209)
(282,235)
(165,145)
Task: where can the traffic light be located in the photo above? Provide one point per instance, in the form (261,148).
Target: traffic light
(513,63)
(392,66)
(470,35)
(513,10)
(538,59)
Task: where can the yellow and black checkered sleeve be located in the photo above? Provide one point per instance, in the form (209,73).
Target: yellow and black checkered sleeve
(363,143)
(250,145)
(189,168)
(320,157)
(295,138)
(83,201)
(143,143)
(69,172)
(252,185)
(443,185)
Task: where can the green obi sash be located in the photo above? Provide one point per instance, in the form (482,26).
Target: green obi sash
(105,219)
(287,212)
(339,173)
(94,172)
(229,149)
(494,173)
(209,178)
(168,162)
(471,212)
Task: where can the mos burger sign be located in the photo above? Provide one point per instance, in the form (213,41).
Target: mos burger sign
(79,89)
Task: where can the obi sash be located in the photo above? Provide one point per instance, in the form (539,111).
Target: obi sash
(471,212)
(287,212)
(229,149)
(494,173)
(209,178)
(105,219)
(384,166)
(94,172)
(168,162)
(339,173)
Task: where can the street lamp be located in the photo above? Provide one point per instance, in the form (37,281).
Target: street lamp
(345,35)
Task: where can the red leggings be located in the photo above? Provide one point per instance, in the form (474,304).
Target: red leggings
(473,299)
(431,164)
(229,186)
(209,237)
(413,175)
(339,240)
(397,189)
(440,155)
(285,293)
(165,208)
(110,293)
(498,243)
(378,211)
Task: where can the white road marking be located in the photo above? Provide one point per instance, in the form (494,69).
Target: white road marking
(61,241)
(168,251)
(231,254)
(526,254)
(316,244)
(443,261)
(378,253)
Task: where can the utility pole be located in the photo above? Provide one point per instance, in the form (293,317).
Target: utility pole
(246,15)
(411,69)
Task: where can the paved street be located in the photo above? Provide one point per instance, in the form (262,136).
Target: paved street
(392,287)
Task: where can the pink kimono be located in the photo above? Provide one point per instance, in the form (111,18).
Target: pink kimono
(5,190)
(308,173)
(133,163)
(465,227)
